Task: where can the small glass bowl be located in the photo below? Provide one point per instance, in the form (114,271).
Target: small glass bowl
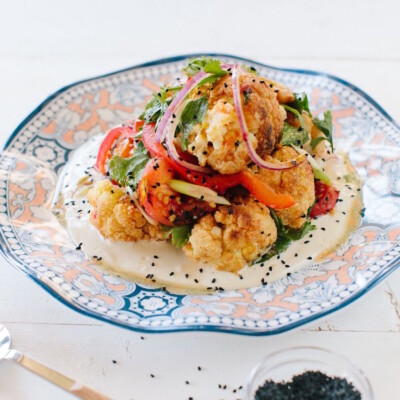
(284,364)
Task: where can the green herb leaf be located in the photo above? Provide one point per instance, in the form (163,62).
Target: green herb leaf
(325,126)
(297,113)
(158,104)
(128,171)
(293,136)
(193,113)
(207,64)
(286,236)
(300,103)
(179,234)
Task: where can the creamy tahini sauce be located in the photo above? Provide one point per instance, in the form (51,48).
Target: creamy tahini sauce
(162,264)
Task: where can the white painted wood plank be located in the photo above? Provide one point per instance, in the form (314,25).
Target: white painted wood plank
(88,352)
(312,28)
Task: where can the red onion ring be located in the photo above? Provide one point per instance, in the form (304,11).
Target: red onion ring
(243,127)
(173,153)
(187,88)
(189,85)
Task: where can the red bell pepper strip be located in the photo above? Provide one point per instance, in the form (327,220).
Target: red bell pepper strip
(128,131)
(264,193)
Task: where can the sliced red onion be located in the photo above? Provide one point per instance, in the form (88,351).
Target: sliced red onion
(190,84)
(173,153)
(243,127)
(140,208)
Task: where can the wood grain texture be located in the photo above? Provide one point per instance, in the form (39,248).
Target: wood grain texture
(50,44)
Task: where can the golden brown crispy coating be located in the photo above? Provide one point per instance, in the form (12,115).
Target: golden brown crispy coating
(116,218)
(232,237)
(218,142)
(298,181)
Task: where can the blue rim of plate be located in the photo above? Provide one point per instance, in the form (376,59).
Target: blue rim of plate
(385,272)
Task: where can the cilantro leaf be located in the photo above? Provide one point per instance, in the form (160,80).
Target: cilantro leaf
(207,64)
(193,113)
(179,235)
(325,126)
(158,104)
(293,136)
(300,103)
(286,236)
(128,171)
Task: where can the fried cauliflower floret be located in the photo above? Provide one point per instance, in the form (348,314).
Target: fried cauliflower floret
(232,237)
(218,142)
(298,181)
(116,218)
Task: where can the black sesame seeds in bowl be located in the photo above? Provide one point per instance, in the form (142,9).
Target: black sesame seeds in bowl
(307,373)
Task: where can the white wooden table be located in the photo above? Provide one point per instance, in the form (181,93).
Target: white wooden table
(45,45)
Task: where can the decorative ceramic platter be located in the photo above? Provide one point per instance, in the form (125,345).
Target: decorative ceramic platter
(34,242)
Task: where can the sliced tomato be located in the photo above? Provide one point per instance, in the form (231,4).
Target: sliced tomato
(264,193)
(164,204)
(326,199)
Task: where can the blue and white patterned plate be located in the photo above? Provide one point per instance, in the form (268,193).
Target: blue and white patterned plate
(34,242)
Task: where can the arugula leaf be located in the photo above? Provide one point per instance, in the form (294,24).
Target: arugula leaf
(179,235)
(296,113)
(300,103)
(325,126)
(158,104)
(207,64)
(193,113)
(293,136)
(286,236)
(128,171)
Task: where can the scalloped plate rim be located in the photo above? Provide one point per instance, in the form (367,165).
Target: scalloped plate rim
(389,268)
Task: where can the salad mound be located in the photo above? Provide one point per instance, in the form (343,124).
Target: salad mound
(226,166)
